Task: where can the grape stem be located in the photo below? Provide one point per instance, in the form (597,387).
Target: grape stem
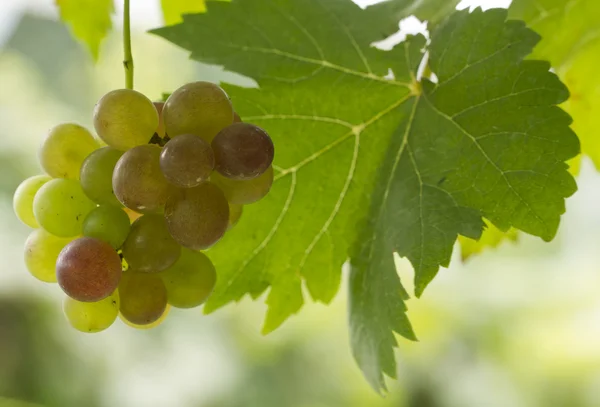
(128,57)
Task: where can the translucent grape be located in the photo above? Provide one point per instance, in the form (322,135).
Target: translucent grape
(160,130)
(150,325)
(96,175)
(143,298)
(138,181)
(197,217)
(187,160)
(41,252)
(149,248)
(107,223)
(242,151)
(200,108)
(64,150)
(235,213)
(190,281)
(60,206)
(91,317)
(244,192)
(125,118)
(88,269)
(236,118)
(23,199)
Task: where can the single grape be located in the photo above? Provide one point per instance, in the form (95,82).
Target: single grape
(244,192)
(149,248)
(197,217)
(154,324)
(235,213)
(200,108)
(23,199)
(88,269)
(242,151)
(92,317)
(138,181)
(60,206)
(64,150)
(160,130)
(125,118)
(107,223)
(236,118)
(187,160)
(190,281)
(96,175)
(41,252)
(143,298)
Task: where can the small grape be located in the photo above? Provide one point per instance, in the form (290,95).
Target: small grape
(96,175)
(190,281)
(23,199)
(242,151)
(200,108)
(125,118)
(149,248)
(187,160)
(64,150)
(244,192)
(88,269)
(138,181)
(41,252)
(143,298)
(92,317)
(107,223)
(160,130)
(60,206)
(197,217)
(235,213)
(154,324)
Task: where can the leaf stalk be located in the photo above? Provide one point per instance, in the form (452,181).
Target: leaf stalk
(128,57)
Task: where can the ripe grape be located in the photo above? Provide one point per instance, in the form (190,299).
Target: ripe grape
(200,108)
(197,217)
(235,213)
(149,248)
(107,223)
(125,118)
(244,192)
(242,151)
(160,130)
(96,175)
(138,181)
(151,325)
(23,199)
(187,160)
(60,206)
(143,298)
(41,252)
(190,281)
(236,118)
(64,149)
(91,317)
(88,269)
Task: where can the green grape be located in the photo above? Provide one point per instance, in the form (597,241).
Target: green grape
(151,325)
(138,181)
(125,118)
(187,160)
(242,151)
(149,248)
(23,199)
(107,223)
(200,108)
(190,281)
(88,269)
(244,192)
(41,252)
(60,206)
(143,298)
(92,317)
(64,150)
(197,217)
(235,213)
(96,175)
(160,130)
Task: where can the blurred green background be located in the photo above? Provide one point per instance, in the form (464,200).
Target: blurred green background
(515,326)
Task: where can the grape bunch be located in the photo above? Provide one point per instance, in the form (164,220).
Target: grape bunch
(121,221)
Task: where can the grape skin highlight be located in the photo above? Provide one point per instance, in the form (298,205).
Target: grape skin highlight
(187,160)
(96,175)
(23,199)
(92,317)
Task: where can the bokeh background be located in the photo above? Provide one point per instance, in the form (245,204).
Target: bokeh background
(517,326)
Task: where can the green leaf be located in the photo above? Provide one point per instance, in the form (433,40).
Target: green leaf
(368,165)
(174,9)
(89,20)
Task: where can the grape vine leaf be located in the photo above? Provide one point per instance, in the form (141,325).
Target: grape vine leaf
(174,9)
(89,20)
(491,237)
(369,164)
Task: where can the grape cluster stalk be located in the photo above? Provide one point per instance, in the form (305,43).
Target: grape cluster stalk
(121,220)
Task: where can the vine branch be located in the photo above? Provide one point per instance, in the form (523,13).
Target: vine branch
(128,57)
